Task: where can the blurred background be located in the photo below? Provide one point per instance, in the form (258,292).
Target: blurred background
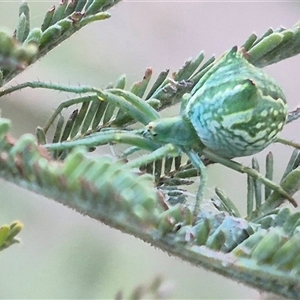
(64,255)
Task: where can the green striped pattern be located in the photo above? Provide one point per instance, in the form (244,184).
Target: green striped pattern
(236,108)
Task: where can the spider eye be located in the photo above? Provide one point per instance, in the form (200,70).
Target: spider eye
(150,126)
(151,129)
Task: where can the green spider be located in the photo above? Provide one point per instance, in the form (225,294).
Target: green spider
(234,110)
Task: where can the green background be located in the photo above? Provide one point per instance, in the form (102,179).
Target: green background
(64,255)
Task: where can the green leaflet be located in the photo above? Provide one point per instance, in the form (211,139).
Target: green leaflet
(249,253)
(8,234)
(92,186)
(13,55)
(60,22)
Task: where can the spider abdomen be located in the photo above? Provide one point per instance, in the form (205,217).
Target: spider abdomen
(236,108)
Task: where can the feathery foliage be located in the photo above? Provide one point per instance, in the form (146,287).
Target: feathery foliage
(145,196)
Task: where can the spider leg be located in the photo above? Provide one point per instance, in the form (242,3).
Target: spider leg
(170,149)
(293,115)
(287,142)
(253,173)
(67,104)
(159,153)
(199,165)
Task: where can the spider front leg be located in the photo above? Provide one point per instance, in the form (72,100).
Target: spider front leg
(251,172)
(116,98)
